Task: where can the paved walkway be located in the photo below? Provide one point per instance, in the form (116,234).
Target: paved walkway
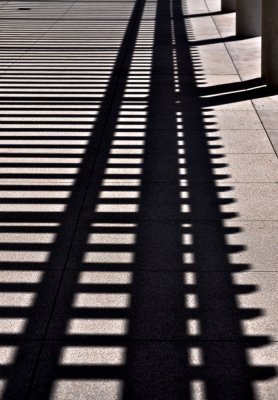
(138,204)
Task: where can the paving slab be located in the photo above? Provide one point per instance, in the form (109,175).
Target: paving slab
(273,135)
(203,28)
(243,53)
(258,239)
(225,23)
(266,103)
(254,201)
(269,119)
(242,141)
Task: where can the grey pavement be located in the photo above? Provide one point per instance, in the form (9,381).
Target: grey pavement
(139,198)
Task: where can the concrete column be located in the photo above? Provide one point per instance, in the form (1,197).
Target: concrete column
(228,5)
(270,42)
(249,18)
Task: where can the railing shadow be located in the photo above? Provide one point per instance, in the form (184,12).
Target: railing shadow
(129,259)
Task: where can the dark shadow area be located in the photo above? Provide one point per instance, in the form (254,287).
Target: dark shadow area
(226,39)
(257,83)
(209,14)
(199,343)
(238,92)
(126,251)
(235,92)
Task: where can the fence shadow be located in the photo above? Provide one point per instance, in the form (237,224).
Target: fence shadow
(118,276)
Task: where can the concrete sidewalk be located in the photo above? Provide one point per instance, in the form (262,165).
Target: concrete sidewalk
(138,204)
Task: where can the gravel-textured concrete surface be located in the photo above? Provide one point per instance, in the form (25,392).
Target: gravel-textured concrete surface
(138,204)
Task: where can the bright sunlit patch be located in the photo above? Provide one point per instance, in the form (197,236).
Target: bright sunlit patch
(112,238)
(37,170)
(106,389)
(15,299)
(184,195)
(198,390)
(39,182)
(265,355)
(92,356)
(101,300)
(27,237)
(187,239)
(94,326)
(127,151)
(265,386)
(113,225)
(136,143)
(109,257)
(35,194)
(117,208)
(121,182)
(21,207)
(185,208)
(191,300)
(193,327)
(25,224)
(112,278)
(195,356)
(188,258)
(123,171)
(125,160)
(15,276)
(190,278)
(7,354)
(40,160)
(136,125)
(184,184)
(119,194)
(3,385)
(182,171)
(130,106)
(131,135)
(181,161)
(12,325)
(24,256)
